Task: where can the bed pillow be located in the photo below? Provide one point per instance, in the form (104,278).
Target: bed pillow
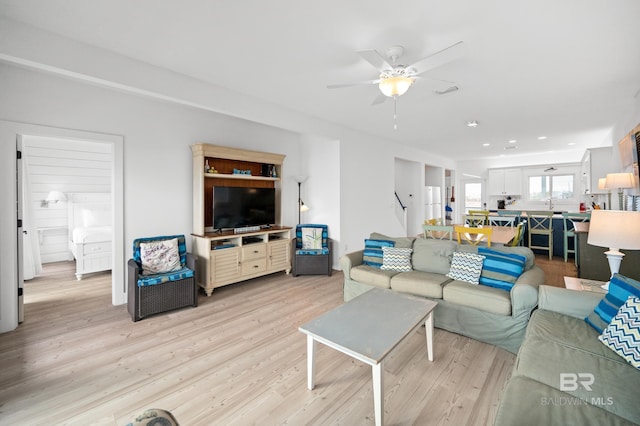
(620,288)
(466,267)
(373,255)
(158,257)
(622,335)
(93,218)
(396,259)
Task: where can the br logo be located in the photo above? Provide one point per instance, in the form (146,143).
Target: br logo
(572,381)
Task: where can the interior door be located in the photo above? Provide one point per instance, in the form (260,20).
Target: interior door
(20,231)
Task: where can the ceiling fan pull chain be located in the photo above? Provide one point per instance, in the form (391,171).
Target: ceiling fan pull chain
(395,113)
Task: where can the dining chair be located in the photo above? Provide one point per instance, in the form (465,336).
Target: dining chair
(517,213)
(568,222)
(438,232)
(520,231)
(484,213)
(540,222)
(502,221)
(473,236)
(474,221)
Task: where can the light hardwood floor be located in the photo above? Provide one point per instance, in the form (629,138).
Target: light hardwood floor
(236,359)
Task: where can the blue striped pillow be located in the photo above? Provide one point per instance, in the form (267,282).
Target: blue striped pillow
(499,269)
(620,288)
(373,255)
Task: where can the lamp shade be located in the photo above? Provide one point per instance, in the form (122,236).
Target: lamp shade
(602,183)
(55,196)
(619,180)
(615,229)
(395,86)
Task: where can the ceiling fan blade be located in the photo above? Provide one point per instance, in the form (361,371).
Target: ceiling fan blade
(439,58)
(378,61)
(381,98)
(361,83)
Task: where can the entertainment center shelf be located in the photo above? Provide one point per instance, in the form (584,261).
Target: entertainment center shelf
(228,257)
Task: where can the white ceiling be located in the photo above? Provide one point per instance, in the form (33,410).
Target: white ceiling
(564,69)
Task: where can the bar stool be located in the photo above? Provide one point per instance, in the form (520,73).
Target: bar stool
(541,223)
(569,220)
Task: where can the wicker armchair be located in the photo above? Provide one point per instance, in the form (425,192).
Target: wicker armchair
(312,250)
(150,294)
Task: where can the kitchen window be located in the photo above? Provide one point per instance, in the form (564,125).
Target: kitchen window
(557,187)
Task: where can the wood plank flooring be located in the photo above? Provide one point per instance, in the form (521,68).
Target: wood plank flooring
(236,359)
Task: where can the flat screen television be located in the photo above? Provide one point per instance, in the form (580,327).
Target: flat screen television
(238,207)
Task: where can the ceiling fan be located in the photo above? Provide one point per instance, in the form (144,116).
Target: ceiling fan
(394,79)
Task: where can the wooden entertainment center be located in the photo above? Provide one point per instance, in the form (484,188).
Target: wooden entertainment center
(230,256)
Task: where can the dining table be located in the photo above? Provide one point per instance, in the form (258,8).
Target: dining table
(500,235)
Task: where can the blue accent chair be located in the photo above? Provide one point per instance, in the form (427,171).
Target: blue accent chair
(152,294)
(312,250)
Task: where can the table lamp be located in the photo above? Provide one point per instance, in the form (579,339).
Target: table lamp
(620,181)
(616,230)
(602,184)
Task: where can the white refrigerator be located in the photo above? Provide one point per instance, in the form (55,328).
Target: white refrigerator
(432,202)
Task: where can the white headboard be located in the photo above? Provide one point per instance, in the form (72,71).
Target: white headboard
(88,210)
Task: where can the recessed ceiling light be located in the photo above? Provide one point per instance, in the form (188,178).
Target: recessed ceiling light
(513,141)
(571,143)
(473,123)
(486,144)
(541,138)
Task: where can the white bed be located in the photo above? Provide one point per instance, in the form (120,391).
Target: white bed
(90,232)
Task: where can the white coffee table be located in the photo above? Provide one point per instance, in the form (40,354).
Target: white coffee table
(583,284)
(368,328)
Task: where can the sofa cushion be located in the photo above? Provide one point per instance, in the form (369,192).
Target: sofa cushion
(373,255)
(620,288)
(528,402)
(373,276)
(432,255)
(402,242)
(499,269)
(466,267)
(425,284)
(484,298)
(608,383)
(622,335)
(396,259)
(569,331)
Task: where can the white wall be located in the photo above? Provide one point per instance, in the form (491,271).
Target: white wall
(68,166)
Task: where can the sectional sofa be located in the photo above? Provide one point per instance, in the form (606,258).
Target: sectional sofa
(564,375)
(485,313)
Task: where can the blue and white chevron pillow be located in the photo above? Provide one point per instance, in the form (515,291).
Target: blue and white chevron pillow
(396,259)
(622,335)
(466,267)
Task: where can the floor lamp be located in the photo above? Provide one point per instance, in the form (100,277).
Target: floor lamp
(620,181)
(302,207)
(616,230)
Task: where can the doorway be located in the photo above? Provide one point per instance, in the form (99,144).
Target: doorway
(11,134)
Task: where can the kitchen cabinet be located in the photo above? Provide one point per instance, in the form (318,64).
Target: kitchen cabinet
(596,163)
(503,182)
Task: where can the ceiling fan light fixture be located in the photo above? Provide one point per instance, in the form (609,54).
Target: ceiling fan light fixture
(395,85)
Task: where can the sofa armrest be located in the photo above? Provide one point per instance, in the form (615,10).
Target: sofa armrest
(524,294)
(573,303)
(350,260)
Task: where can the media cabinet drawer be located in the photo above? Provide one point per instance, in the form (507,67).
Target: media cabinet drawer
(254,266)
(254,251)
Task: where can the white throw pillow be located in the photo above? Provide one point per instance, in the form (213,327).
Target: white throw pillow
(312,238)
(160,256)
